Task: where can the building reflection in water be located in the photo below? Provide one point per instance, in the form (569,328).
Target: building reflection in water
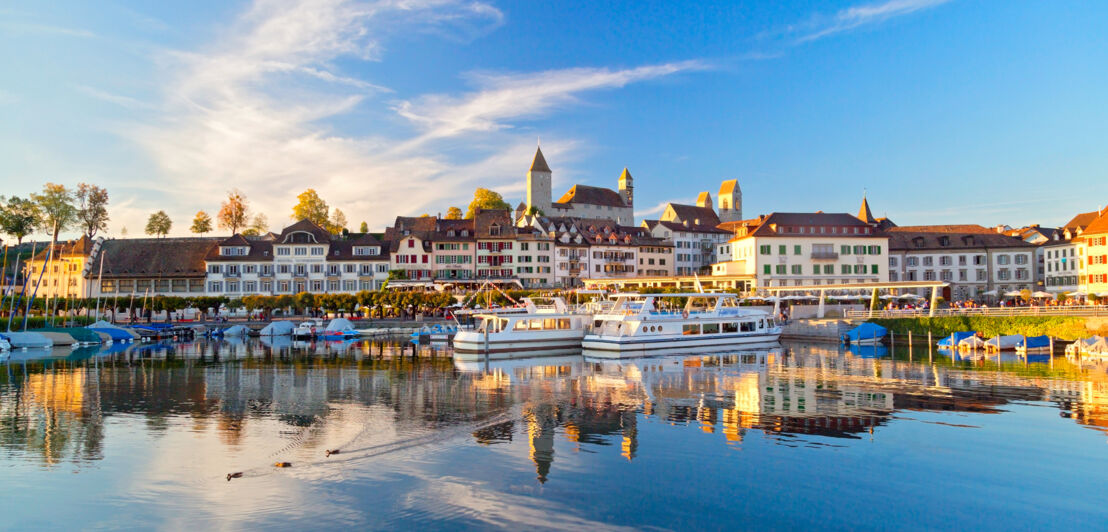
(53,410)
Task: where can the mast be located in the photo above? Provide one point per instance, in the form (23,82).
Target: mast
(34,293)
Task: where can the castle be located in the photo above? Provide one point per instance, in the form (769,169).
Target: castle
(580,201)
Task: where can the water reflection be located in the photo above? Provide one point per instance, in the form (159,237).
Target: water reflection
(250,402)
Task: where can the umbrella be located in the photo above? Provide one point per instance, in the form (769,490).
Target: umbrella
(1040,293)
(989,293)
(1013,293)
(910,296)
(888,296)
(1076,294)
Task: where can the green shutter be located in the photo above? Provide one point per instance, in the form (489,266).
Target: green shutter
(796,250)
(846,250)
(815,269)
(766,269)
(873,269)
(781,249)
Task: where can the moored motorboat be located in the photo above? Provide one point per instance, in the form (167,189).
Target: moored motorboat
(639,325)
(540,331)
(865,334)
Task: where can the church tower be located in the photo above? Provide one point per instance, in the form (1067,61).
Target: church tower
(627,188)
(538,184)
(730,201)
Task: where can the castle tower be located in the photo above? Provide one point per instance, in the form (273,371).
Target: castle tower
(864,214)
(627,188)
(538,184)
(730,201)
(704,200)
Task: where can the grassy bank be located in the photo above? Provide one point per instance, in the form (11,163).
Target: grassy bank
(1065,328)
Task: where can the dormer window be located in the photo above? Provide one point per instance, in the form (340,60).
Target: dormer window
(465,232)
(494,230)
(944,240)
(451,233)
(918,241)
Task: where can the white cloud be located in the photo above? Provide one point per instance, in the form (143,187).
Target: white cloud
(252,111)
(861,15)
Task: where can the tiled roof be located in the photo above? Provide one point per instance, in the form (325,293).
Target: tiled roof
(1081,221)
(80,247)
(306,226)
(236,240)
(950,237)
(584,194)
(152,258)
(702,218)
(259,251)
(674,226)
(864,213)
(538,164)
(485,219)
(728,187)
(344,249)
(1097,226)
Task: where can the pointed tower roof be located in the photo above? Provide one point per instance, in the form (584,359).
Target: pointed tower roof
(625,174)
(538,164)
(864,214)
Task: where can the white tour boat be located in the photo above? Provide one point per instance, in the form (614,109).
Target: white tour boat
(638,325)
(539,331)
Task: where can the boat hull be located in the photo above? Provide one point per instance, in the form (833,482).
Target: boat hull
(471,346)
(632,346)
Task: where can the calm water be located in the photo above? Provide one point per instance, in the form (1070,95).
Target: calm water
(789,437)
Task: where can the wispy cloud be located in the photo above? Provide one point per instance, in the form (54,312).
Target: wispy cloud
(861,15)
(45,29)
(256,110)
(504,96)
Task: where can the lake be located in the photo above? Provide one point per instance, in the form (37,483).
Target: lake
(789,436)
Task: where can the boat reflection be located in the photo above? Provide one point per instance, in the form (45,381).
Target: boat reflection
(54,405)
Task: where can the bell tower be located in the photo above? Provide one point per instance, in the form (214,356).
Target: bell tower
(627,188)
(538,184)
(730,201)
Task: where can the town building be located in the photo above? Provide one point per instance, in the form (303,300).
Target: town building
(1064,253)
(694,232)
(587,248)
(1094,239)
(804,249)
(62,272)
(147,267)
(304,257)
(580,201)
(975,260)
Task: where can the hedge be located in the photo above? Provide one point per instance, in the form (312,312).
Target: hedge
(1061,327)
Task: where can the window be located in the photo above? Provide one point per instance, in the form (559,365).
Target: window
(892,262)
(929,261)
(690,329)
(945,260)
(845,250)
(300,252)
(781,249)
(709,328)
(767,269)
(762,250)
(795,269)
(780,269)
(873,269)
(828,269)
(796,249)
(815,269)
(912,261)
(212,268)
(282,251)
(1003,259)
(215,286)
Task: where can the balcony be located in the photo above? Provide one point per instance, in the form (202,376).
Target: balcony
(825,255)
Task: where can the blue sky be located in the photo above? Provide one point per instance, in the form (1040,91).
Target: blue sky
(955,111)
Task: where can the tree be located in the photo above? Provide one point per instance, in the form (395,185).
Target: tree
(258,226)
(234,212)
(202,223)
(158,224)
(364,228)
(484,198)
(92,209)
(311,207)
(338,222)
(56,205)
(19,217)
(453,213)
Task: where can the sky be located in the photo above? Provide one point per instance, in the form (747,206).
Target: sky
(940,111)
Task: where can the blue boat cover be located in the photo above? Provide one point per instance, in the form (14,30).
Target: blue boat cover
(958,337)
(1035,342)
(865,331)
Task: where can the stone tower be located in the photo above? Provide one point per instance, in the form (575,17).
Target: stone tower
(730,201)
(627,188)
(538,184)
(704,200)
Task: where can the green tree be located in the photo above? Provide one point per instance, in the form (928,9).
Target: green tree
(201,224)
(258,226)
(364,228)
(311,207)
(56,205)
(338,222)
(19,217)
(234,212)
(453,213)
(484,198)
(92,208)
(158,224)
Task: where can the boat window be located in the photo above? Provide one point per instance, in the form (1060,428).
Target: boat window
(748,326)
(520,325)
(710,328)
(645,328)
(762,324)
(690,328)
(770,322)
(597,323)
(563,323)
(730,327)
(550,324)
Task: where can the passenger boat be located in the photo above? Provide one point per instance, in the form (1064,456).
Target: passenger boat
(637,325)
(540,331)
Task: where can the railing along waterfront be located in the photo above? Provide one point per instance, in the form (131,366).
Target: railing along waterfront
(1079,311)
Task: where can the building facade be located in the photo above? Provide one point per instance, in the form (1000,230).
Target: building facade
(977,261)
(580,201)
(805,249)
